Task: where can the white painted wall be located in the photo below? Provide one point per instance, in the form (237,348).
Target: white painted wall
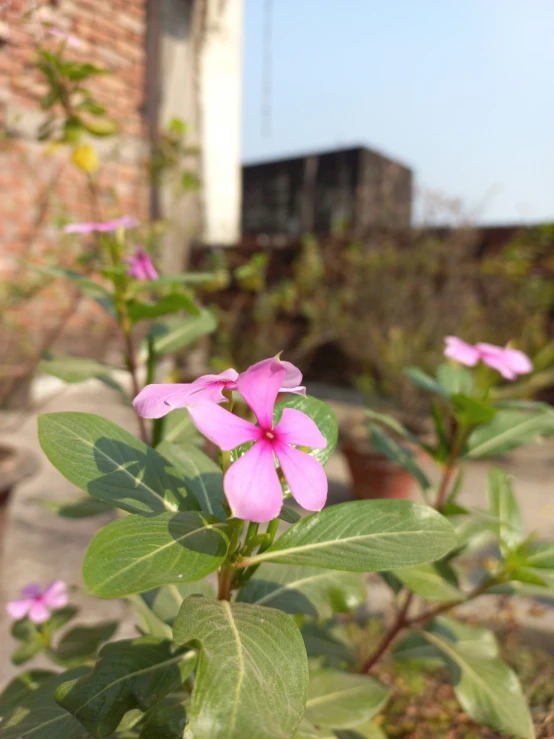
(220,94)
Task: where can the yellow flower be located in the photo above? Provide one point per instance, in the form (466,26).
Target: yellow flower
(86,158)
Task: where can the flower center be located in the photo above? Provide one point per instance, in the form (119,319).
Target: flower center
(269,435)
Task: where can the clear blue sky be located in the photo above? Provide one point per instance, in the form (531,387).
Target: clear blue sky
(460,90)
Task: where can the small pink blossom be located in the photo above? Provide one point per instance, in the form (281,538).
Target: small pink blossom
(101,226)
(157,400)
(251,483)
(36,604)
(141,267)
(509,362)
(70,40)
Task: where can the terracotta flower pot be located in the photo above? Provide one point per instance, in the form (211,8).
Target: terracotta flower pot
(374,475)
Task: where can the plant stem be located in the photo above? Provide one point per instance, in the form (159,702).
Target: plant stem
(227,570)
(450,467)
(131,360)
(397,626)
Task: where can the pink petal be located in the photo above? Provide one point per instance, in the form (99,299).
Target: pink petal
(222,427)
(252,486)
(461,351)
(298,390)
(55,595)
(19,608)
(155,401)
(80,228)
(296,427)
(305,476)
(293,377)
(38,612)
(259,386)
(32,590)
(509,362)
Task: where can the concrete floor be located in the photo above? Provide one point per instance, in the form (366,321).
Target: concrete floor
(39,546)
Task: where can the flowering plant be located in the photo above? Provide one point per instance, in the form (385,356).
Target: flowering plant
(245,604)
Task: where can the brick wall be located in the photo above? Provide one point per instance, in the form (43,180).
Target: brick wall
(112,36)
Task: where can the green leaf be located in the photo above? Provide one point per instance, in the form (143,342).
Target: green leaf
(508,526)
(202,476)
(290,515)
(167,720)
(90,288)
(471,411)
(135,554)
(394,425)
(326,640)
(341,700)
(426,382)
(364,536)
(150,624)
(21,688)
(102,459)
(178,428)
(252,675)
(186,278)
(308,590)
(487,689)
(472,639)
(81,643)
(129,674)
(38,716)
(82,507)
(166,602)
(540,555)
(61,617)
(32,641)
(178,333)
(455,379)
(140,311)
(74,369)
(509,430)
(528,576)
(369,730)
(403,456)
(426,582)
(322,415)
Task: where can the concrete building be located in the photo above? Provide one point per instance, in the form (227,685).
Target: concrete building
(320,193)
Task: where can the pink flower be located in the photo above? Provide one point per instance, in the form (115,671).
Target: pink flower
(251,483)
(509,362)
(70,40)
(155,401)
(38,604)
(101,226)
(141,267)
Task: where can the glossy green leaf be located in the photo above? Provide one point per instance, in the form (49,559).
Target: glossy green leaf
(472,639)
(403,456)
(135,554)
(364,536)
(370,730)
(21,688)
(129,674)
(508,526)
(509,430)
(84,506)
(178,333)
(111,464)
(309,590)
(163,306)
(289,514)
(81,643)
(487,689)
(322,415)
(38,716)
(167,720)
(252,675)
(202,476)
(426,582)
(426,382)
(455,379)
(341,700)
